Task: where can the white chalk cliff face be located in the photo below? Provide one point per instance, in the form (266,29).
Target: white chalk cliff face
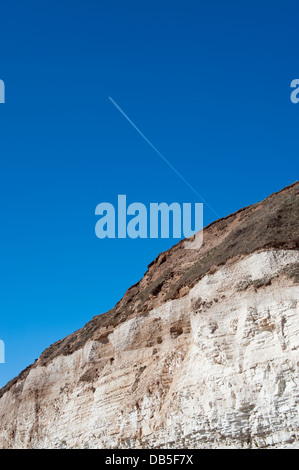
(216,366)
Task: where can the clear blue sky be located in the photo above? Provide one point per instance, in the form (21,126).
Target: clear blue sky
(207,82)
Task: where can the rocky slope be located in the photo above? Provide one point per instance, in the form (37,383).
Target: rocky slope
(202,352)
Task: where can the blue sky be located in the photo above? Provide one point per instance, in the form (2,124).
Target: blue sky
(207,82)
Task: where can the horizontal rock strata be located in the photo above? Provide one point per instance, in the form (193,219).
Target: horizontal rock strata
(203,352)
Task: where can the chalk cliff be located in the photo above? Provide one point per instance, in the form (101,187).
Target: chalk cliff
(203,352)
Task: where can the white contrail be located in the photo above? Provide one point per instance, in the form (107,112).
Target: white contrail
(160,154)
